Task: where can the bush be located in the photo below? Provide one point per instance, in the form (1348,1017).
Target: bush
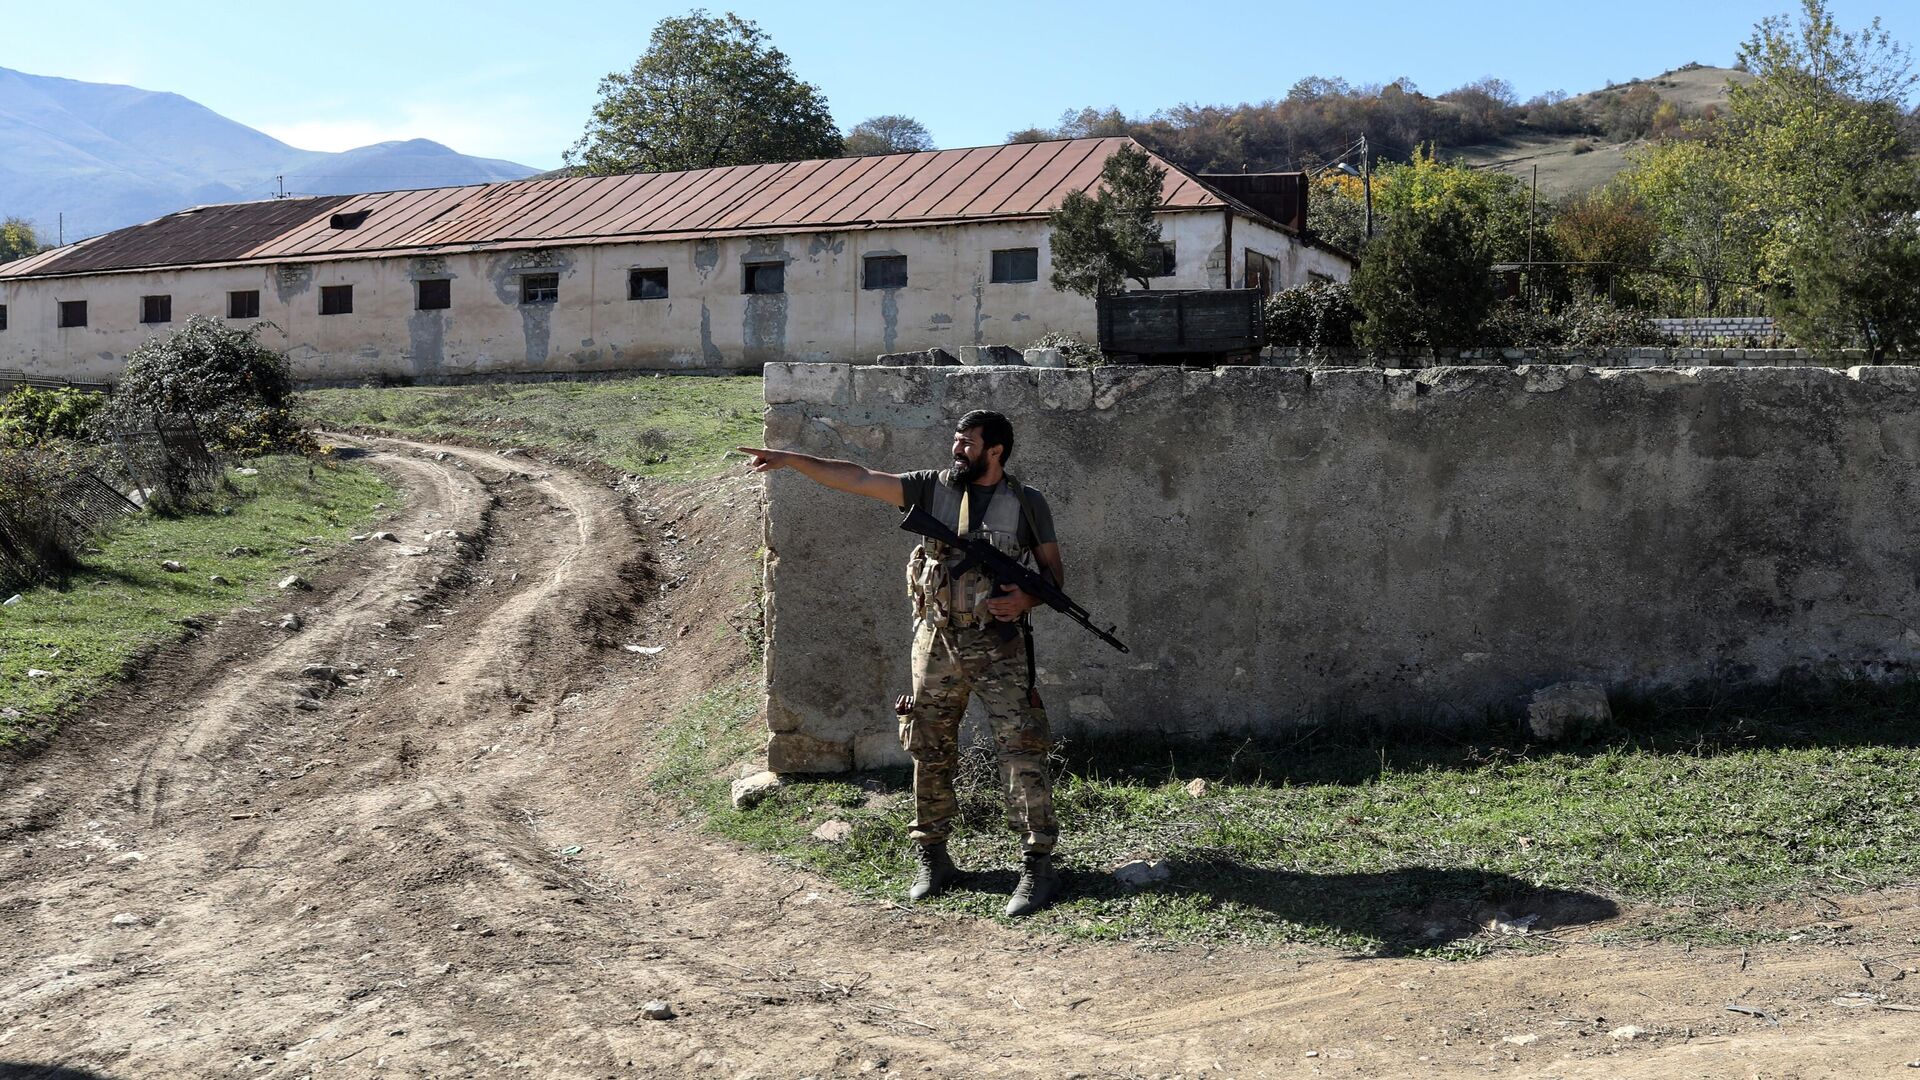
(1075,350)
(1596,323)
(1425,283)
(240,391)
(1317,316)
(30,417)
(1583,322)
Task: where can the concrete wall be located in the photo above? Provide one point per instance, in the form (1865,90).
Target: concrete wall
(705,323)
(1279,545)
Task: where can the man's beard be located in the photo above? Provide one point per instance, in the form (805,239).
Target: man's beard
(965,472)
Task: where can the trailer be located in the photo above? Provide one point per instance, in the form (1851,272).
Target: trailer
(1183,325)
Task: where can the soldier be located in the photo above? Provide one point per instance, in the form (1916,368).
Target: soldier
(969,639)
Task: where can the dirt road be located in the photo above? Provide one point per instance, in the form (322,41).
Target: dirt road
(443,864)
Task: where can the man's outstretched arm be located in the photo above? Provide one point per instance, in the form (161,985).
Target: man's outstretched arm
(838,475)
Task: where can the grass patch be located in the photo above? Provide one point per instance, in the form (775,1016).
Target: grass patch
(1396,841)
(670,427)
(83,630)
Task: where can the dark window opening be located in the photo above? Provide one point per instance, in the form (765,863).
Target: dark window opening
(243,304)
(647,284)
(885,272)
(1318,278)
(765,278)
(433,294)
(539,288)
(3,316)
(1016,264)
(1259,272)
(156,309)
(73,313)
(336,299)
(1162,263)
(349,220)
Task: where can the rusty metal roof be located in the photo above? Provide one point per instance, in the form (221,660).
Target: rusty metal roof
(937,186)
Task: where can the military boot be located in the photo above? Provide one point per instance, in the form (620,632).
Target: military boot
(935,871)
(1039,882)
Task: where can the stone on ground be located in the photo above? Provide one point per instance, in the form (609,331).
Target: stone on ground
(749,791)
(295,581)
(834,832)
(1568,710)
(1142,872)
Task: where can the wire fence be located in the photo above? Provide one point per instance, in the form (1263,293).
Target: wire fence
(163,461)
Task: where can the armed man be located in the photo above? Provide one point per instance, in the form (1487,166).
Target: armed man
(971,637)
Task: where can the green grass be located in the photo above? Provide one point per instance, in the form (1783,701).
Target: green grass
(671,427)
(1397,842)
(83,630)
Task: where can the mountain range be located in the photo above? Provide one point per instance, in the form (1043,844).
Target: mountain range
(107,156)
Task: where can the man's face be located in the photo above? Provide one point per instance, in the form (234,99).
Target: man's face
(969,456)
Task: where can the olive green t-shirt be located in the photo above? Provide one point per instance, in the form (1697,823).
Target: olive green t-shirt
(917,489)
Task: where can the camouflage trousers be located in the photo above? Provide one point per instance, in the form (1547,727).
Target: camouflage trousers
(949,665)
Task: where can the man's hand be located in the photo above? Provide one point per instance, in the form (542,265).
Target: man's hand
(1011,603)
(764,460)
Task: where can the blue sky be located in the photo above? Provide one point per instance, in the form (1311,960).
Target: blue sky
(516,80)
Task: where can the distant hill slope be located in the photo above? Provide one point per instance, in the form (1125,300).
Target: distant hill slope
(109,156)
(1570,164)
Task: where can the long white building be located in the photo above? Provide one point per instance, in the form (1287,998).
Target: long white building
(711,269)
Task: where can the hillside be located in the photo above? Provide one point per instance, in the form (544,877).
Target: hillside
(1573,163)
(107,156)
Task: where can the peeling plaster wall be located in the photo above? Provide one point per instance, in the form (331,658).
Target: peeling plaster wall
(705,323)
(1281,547)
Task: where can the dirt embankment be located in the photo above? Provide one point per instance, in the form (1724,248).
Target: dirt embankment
(442,862)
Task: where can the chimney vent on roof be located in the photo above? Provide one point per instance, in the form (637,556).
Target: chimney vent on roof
(349,220)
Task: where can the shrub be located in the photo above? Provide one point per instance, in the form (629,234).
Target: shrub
(1319,316)
(1513,324)
(1425,283)
(1583,322)
(1075,350)
(238,390)
(30,417)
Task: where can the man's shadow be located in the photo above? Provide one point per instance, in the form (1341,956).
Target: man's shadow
(21,1070)
(1406,910)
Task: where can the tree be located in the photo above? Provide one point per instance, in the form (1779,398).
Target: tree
(1425,283)
(240,391)
(17,240)
(709,91)
(1858,276)
(1101,241)
(1819,145)
(1608,229)
(887,135)
(1706,231)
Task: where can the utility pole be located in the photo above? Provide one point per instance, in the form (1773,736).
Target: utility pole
(280,187)
(63,230)
(1533,202)
(1366,182)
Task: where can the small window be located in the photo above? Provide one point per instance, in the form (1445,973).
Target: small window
(884,272)
(3,316)
(73,313)
(539,288)
(433,294)
(1016,264)
(336,299)
(647,284)
(243,304)
(1163,266)
(765,278)
(1317,278)
(156,309)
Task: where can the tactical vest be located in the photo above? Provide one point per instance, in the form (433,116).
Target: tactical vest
(938,596)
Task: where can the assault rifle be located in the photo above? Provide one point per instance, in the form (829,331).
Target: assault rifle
(1004,570)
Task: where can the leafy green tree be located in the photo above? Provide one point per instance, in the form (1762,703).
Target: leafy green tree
(240,391)
(1103,240)
(709,91)
(1706,233)
(1858,270)
(1426,282)
(1607,230)
(17,239)
(889,134)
